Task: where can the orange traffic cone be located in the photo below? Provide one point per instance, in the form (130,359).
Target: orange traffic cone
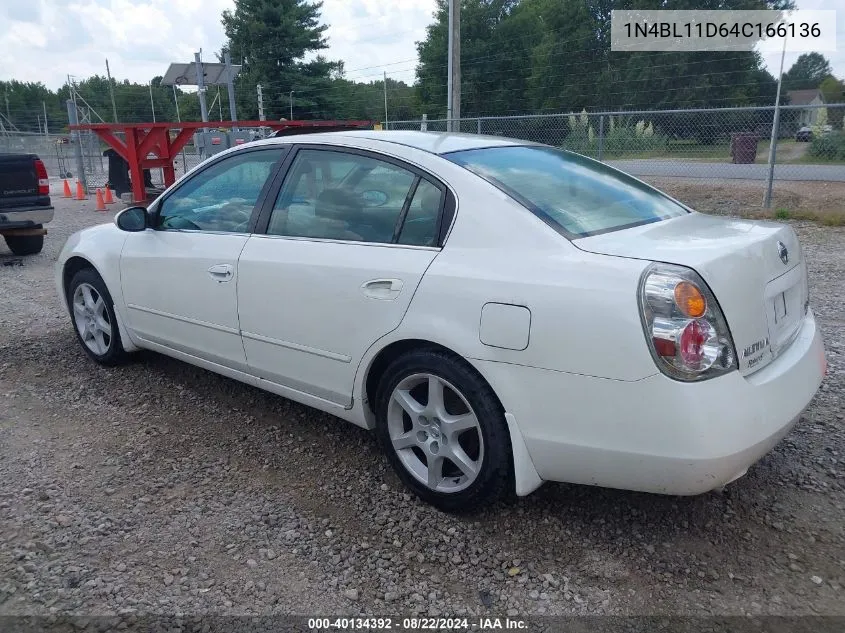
(80,192)
(109,198)
(67,193)
(100,204)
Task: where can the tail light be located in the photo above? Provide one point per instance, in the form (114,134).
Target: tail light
(684,326)
(43,179)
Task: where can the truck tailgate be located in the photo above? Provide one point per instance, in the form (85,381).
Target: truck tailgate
(19,182)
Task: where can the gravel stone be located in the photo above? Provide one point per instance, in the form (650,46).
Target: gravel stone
(183,481)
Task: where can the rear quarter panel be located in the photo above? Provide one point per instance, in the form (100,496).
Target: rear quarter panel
(584,312)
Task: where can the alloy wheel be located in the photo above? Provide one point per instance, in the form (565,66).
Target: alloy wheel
(92,318)
(435,433)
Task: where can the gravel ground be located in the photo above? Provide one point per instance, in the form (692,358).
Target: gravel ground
(161,488)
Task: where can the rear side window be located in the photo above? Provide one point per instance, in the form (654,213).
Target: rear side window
(574,194)
(342,196)
(420,226)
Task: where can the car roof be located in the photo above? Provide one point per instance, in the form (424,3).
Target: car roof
(433,142)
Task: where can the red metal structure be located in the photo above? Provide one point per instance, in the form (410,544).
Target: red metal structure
(142,139)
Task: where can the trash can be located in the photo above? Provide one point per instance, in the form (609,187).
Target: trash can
(744,148)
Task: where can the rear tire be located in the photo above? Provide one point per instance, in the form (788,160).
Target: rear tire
(25,244)
(444,431)
(94,320)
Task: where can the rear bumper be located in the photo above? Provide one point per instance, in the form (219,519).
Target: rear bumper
(656,434)
(22,218)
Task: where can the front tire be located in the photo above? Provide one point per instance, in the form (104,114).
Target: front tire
(444,431)
(94,320)
(25,244)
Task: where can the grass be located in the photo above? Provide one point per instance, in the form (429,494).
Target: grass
(818,202)
(829,218)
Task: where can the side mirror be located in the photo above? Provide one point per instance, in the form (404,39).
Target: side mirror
(132,219)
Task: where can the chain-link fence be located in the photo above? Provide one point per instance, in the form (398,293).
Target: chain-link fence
(53,149)
(96,163)
(705,145)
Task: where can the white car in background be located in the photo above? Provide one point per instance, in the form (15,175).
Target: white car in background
(501,313)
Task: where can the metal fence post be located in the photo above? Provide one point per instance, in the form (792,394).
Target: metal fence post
(73,119)
(601,137)
(773,147)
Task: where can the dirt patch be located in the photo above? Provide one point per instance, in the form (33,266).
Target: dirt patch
(820,201)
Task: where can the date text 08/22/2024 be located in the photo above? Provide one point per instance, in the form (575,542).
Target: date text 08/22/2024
(417,624)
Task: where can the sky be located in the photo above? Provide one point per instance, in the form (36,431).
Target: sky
(45,40)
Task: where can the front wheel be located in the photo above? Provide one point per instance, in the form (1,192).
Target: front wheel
(92,313)
(444,431)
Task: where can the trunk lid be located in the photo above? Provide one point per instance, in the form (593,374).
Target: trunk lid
(762,296)
(19,181)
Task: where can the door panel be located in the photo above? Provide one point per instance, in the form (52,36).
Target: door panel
(310,309)
(330,279)
(178,292)
(179,281)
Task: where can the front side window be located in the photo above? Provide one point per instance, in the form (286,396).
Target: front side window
(575,194)
(342,196)
(221,197)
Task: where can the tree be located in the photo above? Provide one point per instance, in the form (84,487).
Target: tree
(833,90)
(808,71)
(554,55)
(271,39)
(501,59)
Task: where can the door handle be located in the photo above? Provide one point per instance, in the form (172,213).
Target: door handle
(221,272)
(385,289)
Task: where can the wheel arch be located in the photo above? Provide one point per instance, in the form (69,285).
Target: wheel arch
(73,265)
(526,478)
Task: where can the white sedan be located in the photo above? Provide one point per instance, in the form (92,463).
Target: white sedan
(501,313)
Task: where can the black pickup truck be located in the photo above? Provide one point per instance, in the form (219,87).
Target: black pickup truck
(24,202)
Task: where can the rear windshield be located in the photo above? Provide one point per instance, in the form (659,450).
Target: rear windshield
(574,194)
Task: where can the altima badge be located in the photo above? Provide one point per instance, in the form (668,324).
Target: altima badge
(783,252)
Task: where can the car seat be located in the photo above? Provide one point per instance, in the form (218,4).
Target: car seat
(338,214)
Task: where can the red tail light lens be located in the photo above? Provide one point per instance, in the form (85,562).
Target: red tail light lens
(685,328)
(43,179)
(697,344)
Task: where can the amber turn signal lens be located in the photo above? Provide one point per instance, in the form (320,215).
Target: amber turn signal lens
(689,300)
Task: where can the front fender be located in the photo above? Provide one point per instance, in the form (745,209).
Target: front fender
(100,246)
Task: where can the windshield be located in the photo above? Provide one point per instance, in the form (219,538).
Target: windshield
(574,194)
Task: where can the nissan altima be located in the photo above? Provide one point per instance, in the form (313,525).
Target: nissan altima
(500,313)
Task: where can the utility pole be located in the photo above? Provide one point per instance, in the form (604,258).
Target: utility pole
(44,106)
(7,106)
(290,98)
(73,119)
(230,84)
(111,91)
(201,85)
(453,89)
(179,119)
(152,103)
(260,103)
(385,99)
(767,197)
